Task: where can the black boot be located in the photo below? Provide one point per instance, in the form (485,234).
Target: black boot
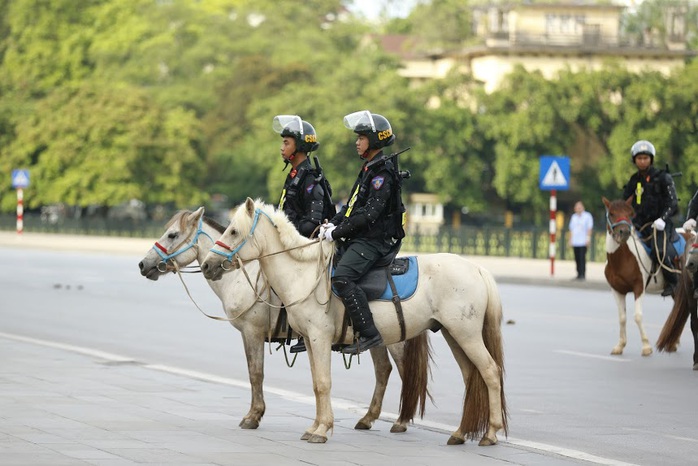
(299,347)
(670,282)
(362,320)
(695,285)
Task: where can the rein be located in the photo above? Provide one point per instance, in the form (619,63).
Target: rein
(660,260)
(322,266)
(223,319)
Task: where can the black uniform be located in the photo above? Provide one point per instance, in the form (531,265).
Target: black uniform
(654,196)
(693,207)
(368,228)
(302,199)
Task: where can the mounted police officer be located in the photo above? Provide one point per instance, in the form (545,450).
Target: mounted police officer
(654,200)
(690,225)
(303,197)
(369,226)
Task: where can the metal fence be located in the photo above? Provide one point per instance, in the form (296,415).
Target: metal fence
(473,241)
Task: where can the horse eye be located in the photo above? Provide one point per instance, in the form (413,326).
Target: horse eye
(173,235)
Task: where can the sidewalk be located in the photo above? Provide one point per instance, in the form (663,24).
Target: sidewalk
(511,270)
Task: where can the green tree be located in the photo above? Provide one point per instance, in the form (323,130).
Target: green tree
(101,144)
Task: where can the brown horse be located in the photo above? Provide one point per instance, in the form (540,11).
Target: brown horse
(628,268)
(685,304)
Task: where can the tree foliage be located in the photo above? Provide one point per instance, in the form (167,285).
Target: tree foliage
(171,101)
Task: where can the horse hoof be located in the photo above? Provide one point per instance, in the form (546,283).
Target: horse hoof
(362,425)
(317,439)
(455,441)
(487,442)
(647,351)
(695,367)
(616,352)
(249,424)
(306,436)
(398,429)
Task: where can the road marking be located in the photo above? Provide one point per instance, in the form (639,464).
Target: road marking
(337,403)
(594,356)
(72,348)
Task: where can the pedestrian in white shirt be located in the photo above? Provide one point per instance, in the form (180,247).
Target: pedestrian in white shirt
(581,225)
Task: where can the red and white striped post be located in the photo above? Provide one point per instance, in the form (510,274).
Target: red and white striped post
(20,211)
(553,230)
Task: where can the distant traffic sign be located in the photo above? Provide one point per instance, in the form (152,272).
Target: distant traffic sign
(20,178)
(554,172)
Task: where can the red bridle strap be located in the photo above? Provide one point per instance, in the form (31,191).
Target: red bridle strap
(161,247)
(223,245)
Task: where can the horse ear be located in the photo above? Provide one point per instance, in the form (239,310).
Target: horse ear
(629,200)
(196,215)
(249,205)
(605,201)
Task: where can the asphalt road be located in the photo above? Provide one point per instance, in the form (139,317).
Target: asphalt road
(566,394)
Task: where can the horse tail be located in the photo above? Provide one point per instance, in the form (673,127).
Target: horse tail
(416,375)
(683,301)
(476,406)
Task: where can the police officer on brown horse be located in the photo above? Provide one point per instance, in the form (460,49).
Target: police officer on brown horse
(369,226)
(655,202)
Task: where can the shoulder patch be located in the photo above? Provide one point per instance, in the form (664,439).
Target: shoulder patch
(377,182)
(310,187)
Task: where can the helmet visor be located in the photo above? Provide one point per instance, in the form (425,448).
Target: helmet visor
(291,123)
(360,121)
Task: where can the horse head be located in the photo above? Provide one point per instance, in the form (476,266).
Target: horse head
(238,243)
(619,215)
(176,247)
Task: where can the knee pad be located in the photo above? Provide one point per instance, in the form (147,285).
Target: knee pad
(343,286)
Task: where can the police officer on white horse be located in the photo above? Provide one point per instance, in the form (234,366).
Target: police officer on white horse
(369,226)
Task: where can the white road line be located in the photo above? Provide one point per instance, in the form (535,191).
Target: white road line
(338,403)
(594,356)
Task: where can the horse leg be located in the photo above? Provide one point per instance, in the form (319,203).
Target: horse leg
(397,351)
(646,347)
(381,368)
(254,353)
(622,318)
(319,354)
(458,437)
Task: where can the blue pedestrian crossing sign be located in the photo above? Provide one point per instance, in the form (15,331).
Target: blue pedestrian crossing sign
(554,172)
(20,178)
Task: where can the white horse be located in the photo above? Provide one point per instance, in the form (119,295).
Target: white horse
(188,237)
(453,295)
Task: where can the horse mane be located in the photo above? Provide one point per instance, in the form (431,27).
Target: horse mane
(620,204)
(288,234)
(181,216)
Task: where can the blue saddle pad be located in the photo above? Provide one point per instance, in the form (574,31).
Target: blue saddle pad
(679,245)
(405,283)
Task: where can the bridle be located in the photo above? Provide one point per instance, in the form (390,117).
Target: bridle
(165,256)
(228,262)
(619,222)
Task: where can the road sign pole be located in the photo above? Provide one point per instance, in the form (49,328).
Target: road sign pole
(20,211)
(553,230)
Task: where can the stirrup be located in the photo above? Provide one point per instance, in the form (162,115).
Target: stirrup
(362,344)
(299,347)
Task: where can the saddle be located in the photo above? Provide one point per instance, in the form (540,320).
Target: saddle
(384,282)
